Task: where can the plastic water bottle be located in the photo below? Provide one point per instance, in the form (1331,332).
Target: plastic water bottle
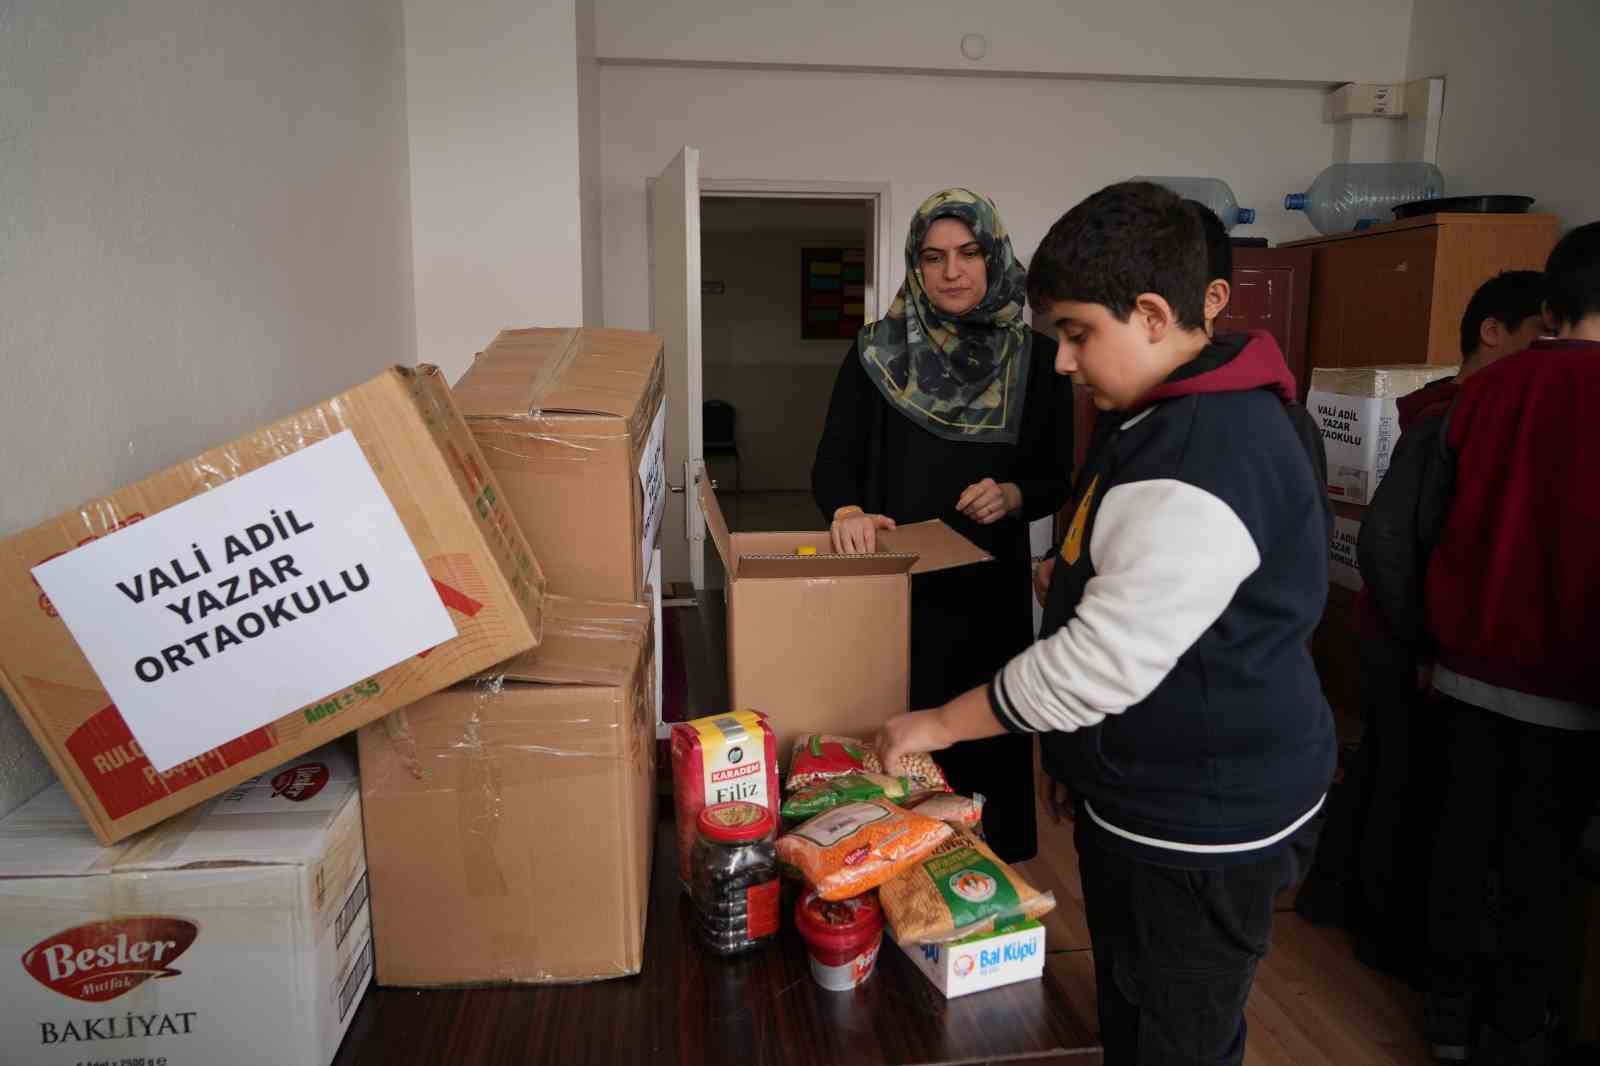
(1350,196)
(1212,192)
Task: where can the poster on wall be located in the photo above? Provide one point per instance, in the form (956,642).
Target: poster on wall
(832,293)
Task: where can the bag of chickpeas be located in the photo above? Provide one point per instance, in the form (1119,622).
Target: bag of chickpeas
(821,756)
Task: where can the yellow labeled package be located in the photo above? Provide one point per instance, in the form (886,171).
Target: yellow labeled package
(962,888)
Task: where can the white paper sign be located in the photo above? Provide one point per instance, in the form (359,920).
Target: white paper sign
(263,595)
(653,485)
(1343,570)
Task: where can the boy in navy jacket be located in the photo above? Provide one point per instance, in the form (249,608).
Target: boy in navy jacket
(1171,679)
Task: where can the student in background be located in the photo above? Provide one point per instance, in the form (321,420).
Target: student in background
(949,408)
(1372,875)
(1171,680)
(1511,593)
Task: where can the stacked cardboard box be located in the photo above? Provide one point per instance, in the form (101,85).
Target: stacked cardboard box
(188,631)
(237,932)
(512,817)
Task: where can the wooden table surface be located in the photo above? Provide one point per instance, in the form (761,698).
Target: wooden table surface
(691,1007)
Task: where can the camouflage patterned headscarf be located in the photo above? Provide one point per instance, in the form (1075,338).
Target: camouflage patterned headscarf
(963,377)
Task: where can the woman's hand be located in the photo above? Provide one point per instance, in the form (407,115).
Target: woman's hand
(1041,578)
(987,502)
(855,532)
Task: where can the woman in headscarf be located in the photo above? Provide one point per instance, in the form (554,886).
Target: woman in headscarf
(949,407)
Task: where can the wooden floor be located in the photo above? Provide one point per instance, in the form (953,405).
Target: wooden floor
(1313,1003)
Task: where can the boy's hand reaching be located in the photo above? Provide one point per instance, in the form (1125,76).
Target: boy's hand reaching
(913,733)
(1041,578)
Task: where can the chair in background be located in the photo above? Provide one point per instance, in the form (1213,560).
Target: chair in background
(719,422)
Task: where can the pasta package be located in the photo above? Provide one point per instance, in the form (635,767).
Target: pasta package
(960,889)
(857,847)
(820,756)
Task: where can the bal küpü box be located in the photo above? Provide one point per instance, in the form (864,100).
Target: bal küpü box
(821,643)
(1355,409)
(573,423)
(983,960)
(188,631)
(237,932)
(510,821)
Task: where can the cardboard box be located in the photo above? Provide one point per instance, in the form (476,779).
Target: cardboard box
(419,481)
(510,822)
(1355,409)
(982,961)
(573,423)
(1343,568)
(237,932)
(822,643)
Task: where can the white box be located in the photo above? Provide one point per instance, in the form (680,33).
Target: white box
(237,932)
(1343,570)
(984,961)
(1355,410)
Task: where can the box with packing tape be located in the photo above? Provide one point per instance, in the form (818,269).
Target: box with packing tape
(237,932)
(195,628)
(513,817)
(821,643)
(572,423)
(1355,410)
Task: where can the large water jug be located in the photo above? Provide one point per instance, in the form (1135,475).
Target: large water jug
(1214,193)
(1349,196)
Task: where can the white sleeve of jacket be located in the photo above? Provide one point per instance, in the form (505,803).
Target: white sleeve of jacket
(1168,558)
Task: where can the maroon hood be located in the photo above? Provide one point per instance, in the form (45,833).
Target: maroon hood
(1233,362)
(1430,401)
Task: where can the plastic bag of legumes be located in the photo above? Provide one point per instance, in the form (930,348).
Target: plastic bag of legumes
(857,847)
(962,888)
(965,812)
(820,756)
(837,791)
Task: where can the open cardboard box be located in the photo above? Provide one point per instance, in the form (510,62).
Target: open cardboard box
(822,643)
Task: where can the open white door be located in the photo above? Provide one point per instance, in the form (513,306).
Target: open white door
(674,219)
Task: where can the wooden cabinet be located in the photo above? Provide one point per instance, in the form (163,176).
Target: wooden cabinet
(1271,291)
(1396,293)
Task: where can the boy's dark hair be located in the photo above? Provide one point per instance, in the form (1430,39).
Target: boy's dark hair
(1509,298)
(1219,249)
(1124,240)
(1572,275)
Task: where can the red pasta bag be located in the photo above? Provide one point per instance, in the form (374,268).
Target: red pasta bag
(720,759)
(821,756)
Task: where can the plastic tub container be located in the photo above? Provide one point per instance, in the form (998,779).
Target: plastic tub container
(841,938)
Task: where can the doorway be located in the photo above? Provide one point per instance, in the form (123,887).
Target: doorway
(783,294)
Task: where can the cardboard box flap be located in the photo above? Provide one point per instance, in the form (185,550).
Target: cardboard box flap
(585,643)
(1378,382)
(823,567)
(936,545)
(526,372)
(718,525)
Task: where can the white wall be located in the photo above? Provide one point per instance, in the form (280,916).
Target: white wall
(589,161)
(1036,146)
(495,171)
(1327,41)
(203,226)
(753,354)
(1521,98)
